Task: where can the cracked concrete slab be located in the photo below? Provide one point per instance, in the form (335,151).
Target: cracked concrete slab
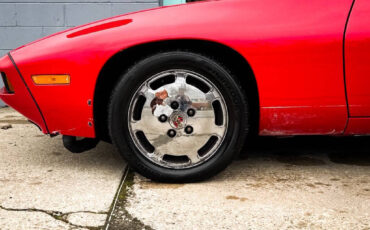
(87,219)
(37,173)
(299,183)
(29,220)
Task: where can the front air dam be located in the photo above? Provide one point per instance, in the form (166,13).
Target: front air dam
(78,146)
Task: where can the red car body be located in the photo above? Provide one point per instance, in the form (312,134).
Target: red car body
(310,60)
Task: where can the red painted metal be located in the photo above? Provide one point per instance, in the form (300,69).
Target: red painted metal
(22,99)
(293,47)
(358,126)
(357,59)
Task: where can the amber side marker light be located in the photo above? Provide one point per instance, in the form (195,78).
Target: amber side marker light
(62,79)
(8,86)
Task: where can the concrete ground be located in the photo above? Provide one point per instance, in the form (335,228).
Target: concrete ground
(292,183)
(278,186)
(43,186)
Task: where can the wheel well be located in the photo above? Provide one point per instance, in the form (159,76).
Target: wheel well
(122,61)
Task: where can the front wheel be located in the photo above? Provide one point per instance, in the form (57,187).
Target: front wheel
(178,117)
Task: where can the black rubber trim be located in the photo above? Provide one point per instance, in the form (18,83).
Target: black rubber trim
(35,124)
(344,58)
(344,66)
(78,146)
(29,91)
(5,81)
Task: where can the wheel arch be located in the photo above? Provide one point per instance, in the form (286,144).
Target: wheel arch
(123,60)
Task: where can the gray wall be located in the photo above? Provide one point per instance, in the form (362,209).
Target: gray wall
(23,21)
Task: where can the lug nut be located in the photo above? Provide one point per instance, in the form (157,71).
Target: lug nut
(191,112)
(174,105)
(171,133)
(189,129)
(162,118)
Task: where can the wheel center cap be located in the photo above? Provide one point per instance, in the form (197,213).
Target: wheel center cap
(178,120)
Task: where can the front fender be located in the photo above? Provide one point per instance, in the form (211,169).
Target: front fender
(82,52)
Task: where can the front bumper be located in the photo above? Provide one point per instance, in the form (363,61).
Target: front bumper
(21,99)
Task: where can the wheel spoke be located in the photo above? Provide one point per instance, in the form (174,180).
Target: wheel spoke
(212,96)
(210,130)
(147,92)
(194,157)
(180,77)
(158,156)
(217,130)
(137,125)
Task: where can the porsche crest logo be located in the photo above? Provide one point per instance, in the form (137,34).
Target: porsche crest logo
(178,120)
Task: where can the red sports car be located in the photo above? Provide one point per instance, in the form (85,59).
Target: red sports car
(178,90)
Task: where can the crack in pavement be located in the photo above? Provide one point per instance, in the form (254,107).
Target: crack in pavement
(59,216)
(113,206)
(119,218)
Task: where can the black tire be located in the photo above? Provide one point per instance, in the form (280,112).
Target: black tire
(222,78)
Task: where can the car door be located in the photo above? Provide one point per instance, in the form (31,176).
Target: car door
(296,55)
(357,59)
